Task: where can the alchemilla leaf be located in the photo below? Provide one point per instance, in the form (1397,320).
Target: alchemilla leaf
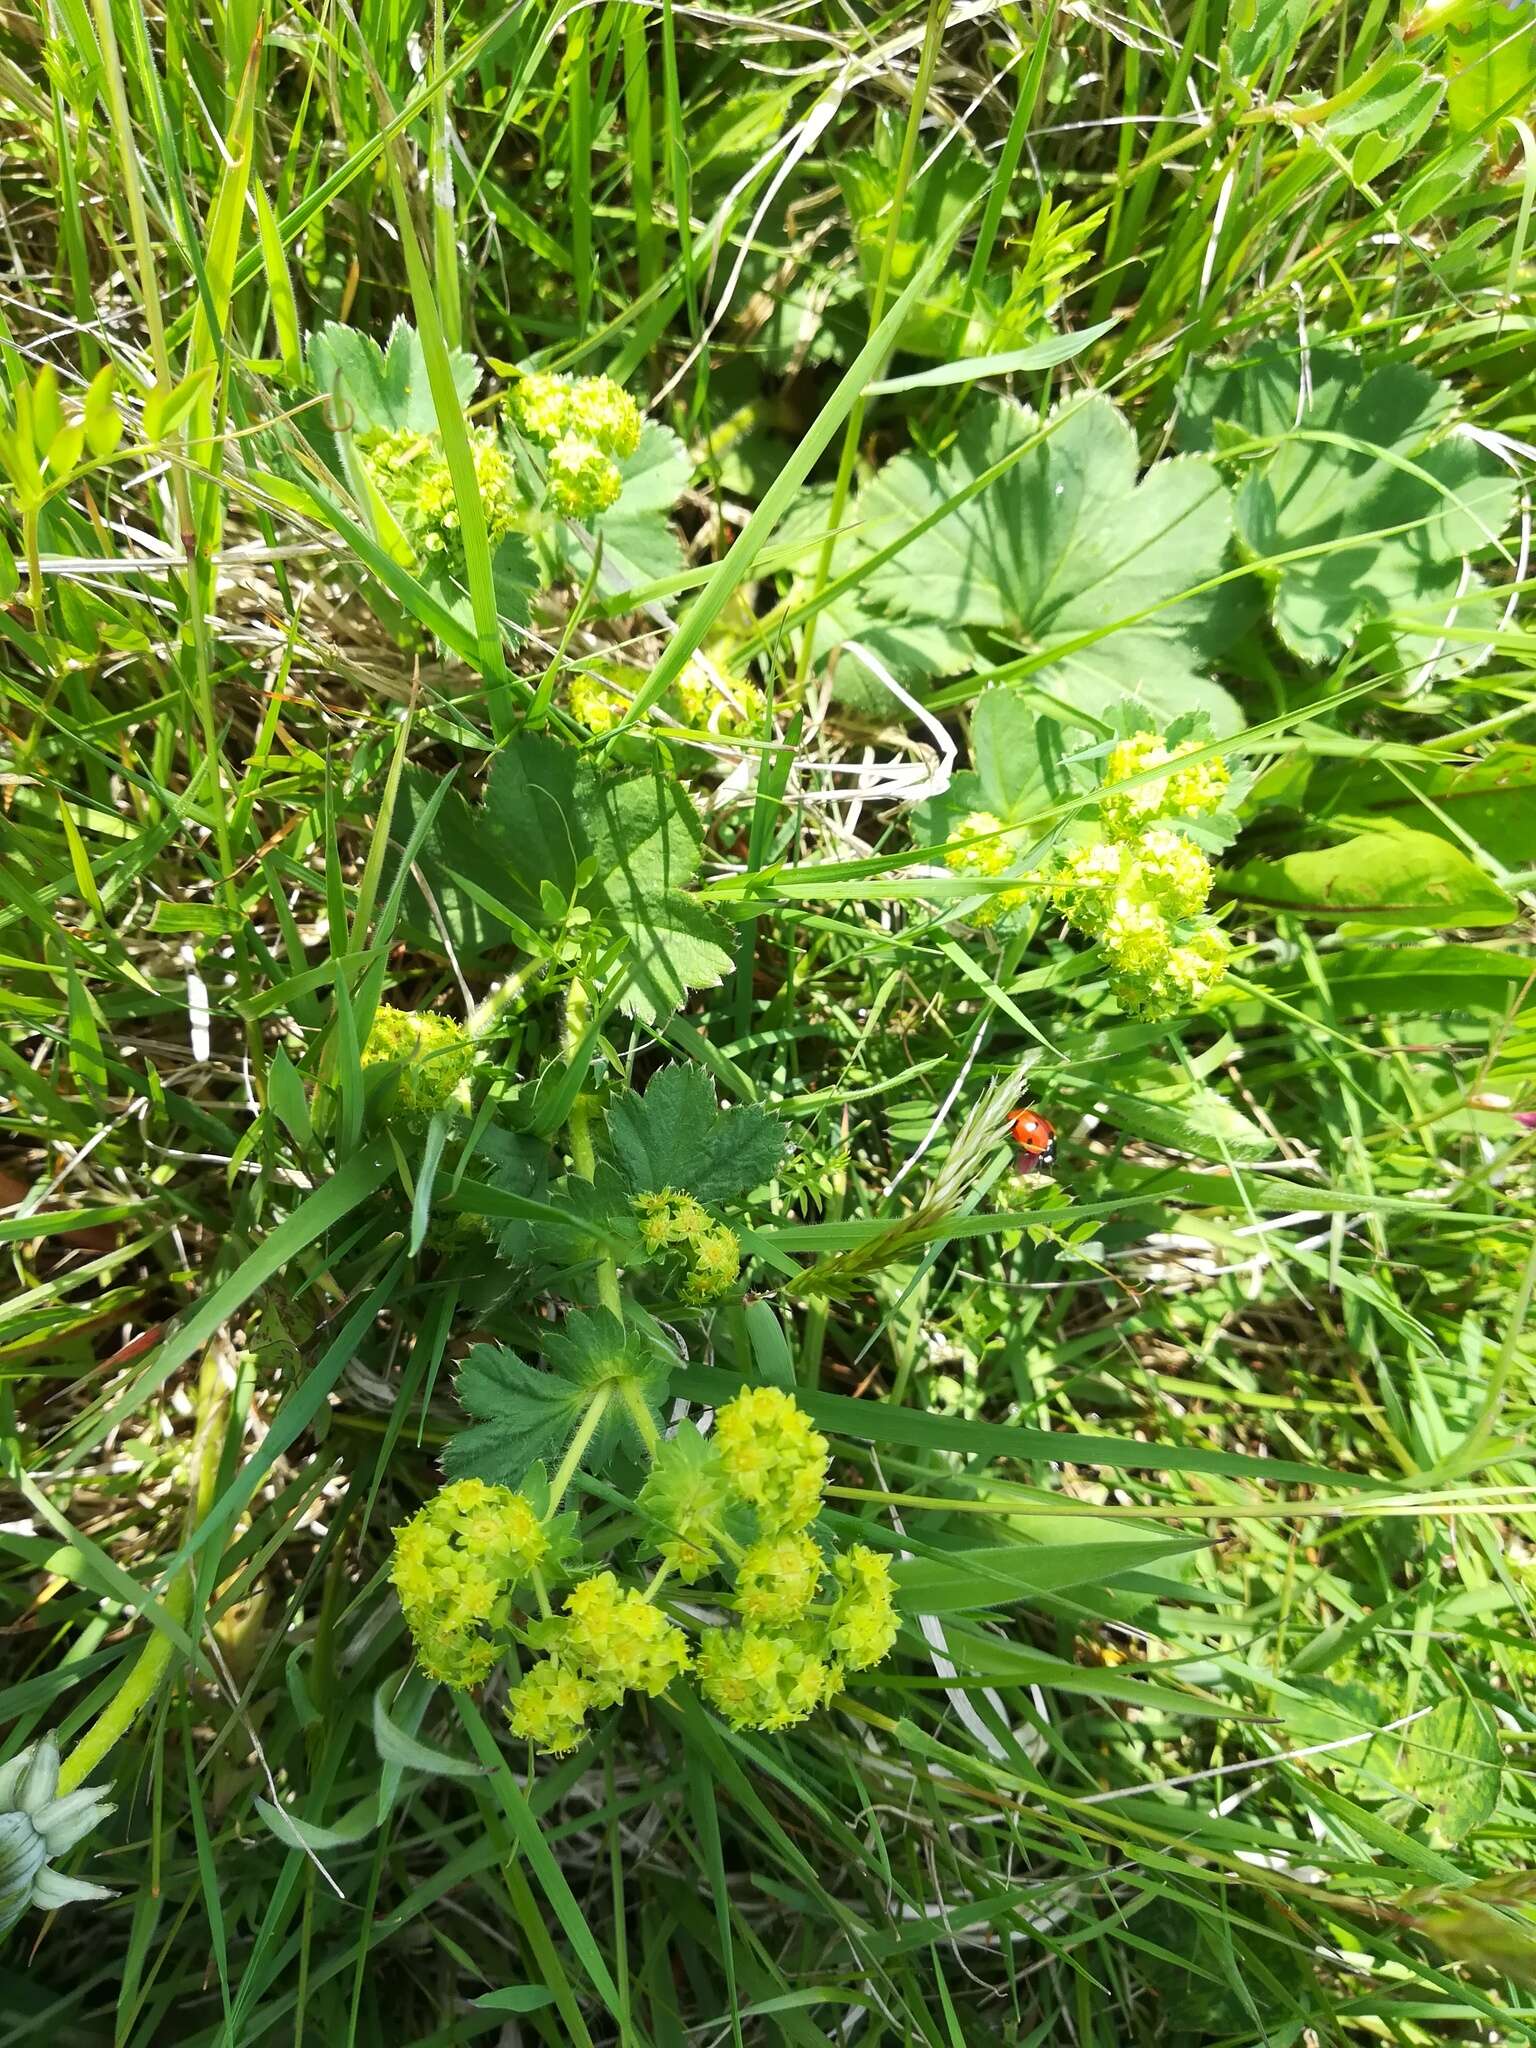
(525,1414)
(1369,507)
(372,390)
(555,836)
(676,1136)
(1064,553)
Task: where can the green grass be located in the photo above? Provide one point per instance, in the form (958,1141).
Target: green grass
(1210,1452)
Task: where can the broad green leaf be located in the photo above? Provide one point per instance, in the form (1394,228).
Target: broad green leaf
(676,1136)
(1064,546)
(1377,496)
(514,579)
(1392,877)
(1438,981)
(1491,801)
(371,389)
(554,835)
(640,544)
(1490,54)
(933,202)
(1447,1760)
(1263,30)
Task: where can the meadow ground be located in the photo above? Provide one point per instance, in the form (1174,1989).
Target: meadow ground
(622,628)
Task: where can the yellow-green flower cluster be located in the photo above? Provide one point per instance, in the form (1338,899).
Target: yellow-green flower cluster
(588,425)
(1139,889)
(705,707)
(619,1641)
(456,1561)
(610,1641)
(595,703)
(777,1579)
(549,1707)
(434,1056)
(755,1680)
(772,1457)
(1189,791)
(711,1251)
(984,846)
(411,474)
(863,1625)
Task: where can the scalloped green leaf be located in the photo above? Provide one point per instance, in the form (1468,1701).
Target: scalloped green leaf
(1062,554)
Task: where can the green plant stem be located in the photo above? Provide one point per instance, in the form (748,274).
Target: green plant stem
(586,1429)
(932,37)
(143,1682)
(650,1436)
(579,1131)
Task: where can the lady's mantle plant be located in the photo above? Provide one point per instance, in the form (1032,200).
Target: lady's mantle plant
(774,1615)
(1135,882)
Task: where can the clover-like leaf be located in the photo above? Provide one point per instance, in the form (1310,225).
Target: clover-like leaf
(1063,553)
(525,1414)
(676,1136)
(1369,505)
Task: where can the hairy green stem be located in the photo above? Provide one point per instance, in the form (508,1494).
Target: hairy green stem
(586,1429)
(578,1010)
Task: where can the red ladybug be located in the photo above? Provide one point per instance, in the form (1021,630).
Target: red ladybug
(1035,1138)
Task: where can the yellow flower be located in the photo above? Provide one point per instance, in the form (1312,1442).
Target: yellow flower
(603,413)
(1184,792)
(705,706)
(984,846)
(1175,873)
(619,1641)
(864,1624)
(1136,937)
(716,1263)
(777,1579)
(549,1707)
(598,707)
(540,403)
(455,1562)
(1086,880)
(757,1680)
(772,1457)
(583,481)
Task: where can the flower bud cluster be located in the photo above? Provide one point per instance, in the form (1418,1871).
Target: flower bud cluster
(610,1641)
(410,473)
(710,1250)
(588,425)
(1141,889)
(982,845)
(456,1562)
(433,1054)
